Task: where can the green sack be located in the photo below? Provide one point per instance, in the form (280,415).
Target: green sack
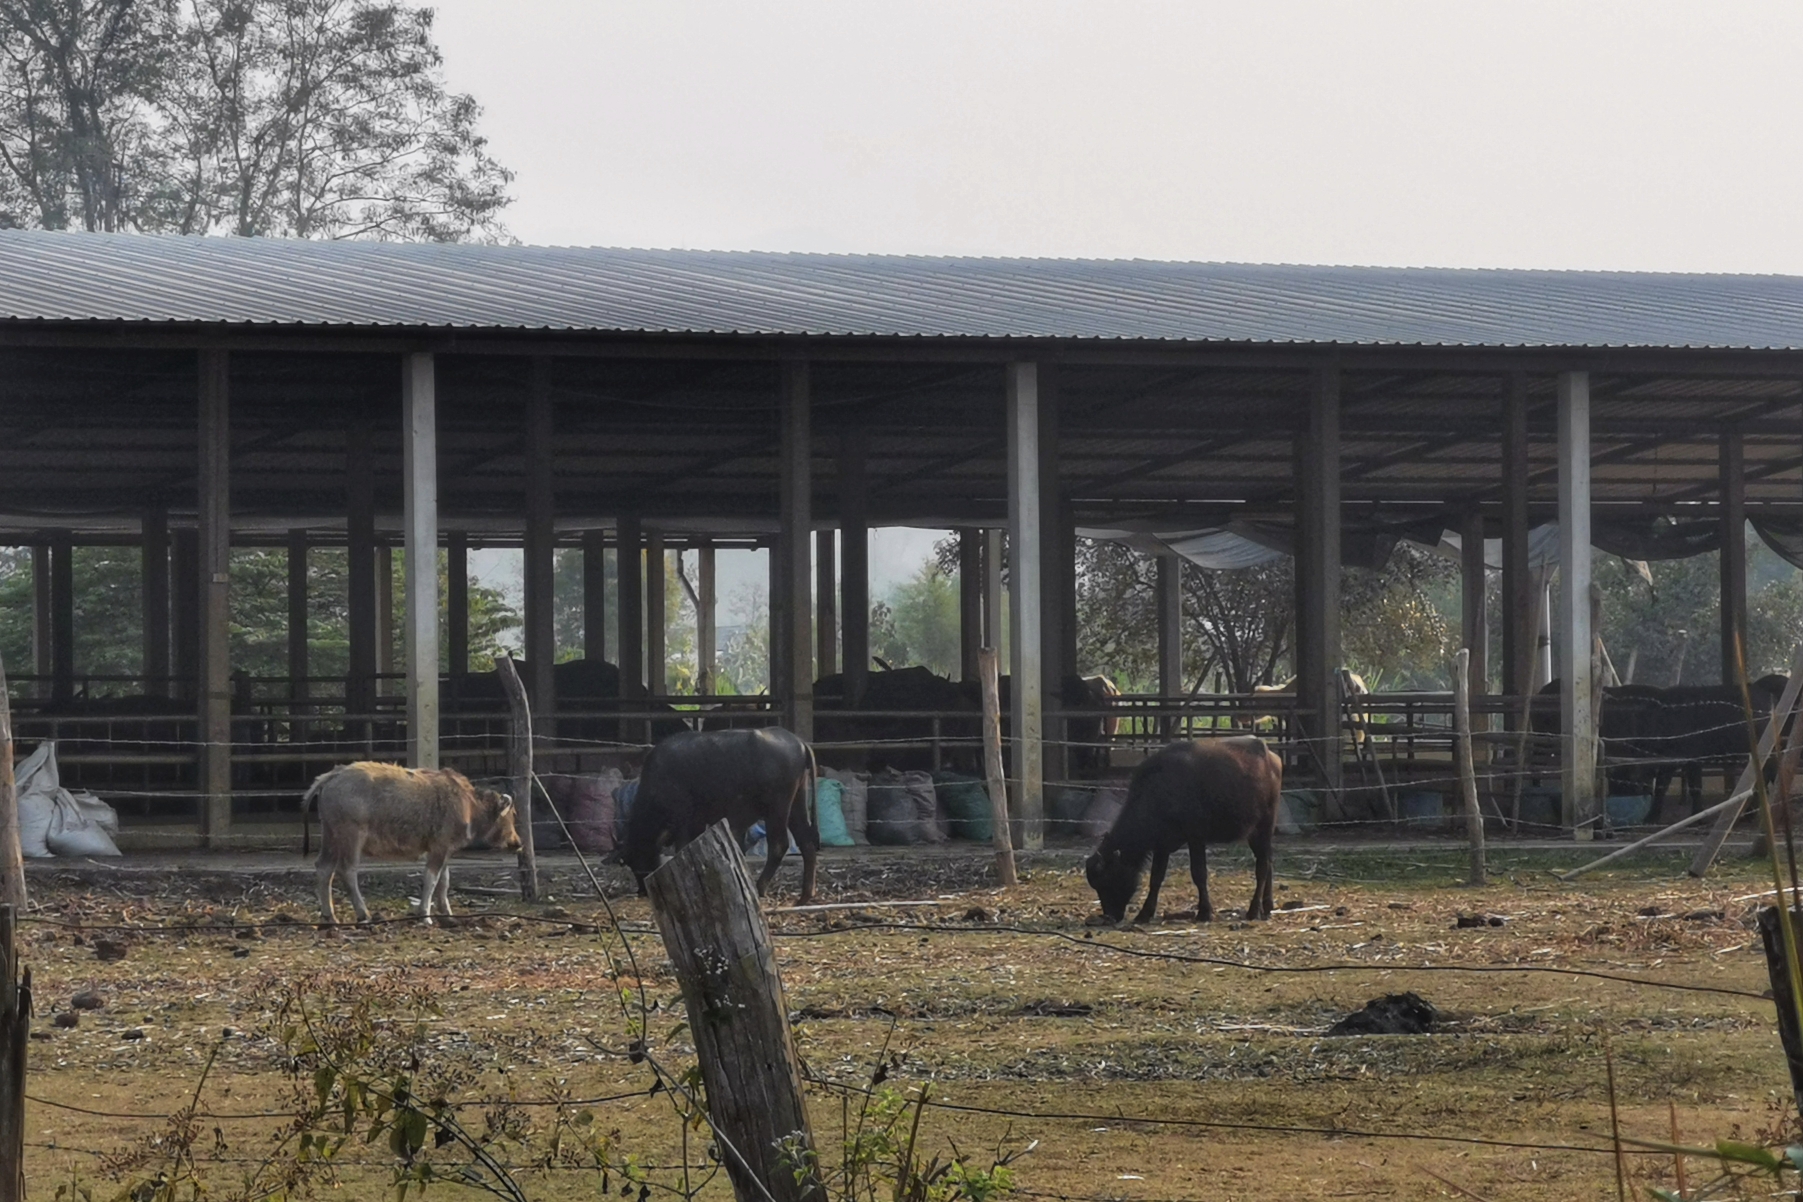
(965,803)
(829,813)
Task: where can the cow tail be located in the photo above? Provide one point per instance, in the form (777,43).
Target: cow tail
(813,791)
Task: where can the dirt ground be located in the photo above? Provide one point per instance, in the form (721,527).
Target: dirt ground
(1140,1064)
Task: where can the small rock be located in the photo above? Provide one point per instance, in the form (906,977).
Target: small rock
(1392,1014)
(1292,904)
(1466,921)
(583,928)
(1340,911)
(132,1033)
(77,940)
(88,999)
(1401,906)
(977,914)
(109,949)
(556,912)
(67,1018)
(40,1034)
(1497,920)
(1705,916)
(247,933)
(241,953)
(227,1032)
(1651,912)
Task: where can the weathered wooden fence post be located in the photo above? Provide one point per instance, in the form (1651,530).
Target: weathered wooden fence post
(15,1028)
(992,766)
(1461,725)
(519,771)
(720,948)
(12,858)
(1779,972)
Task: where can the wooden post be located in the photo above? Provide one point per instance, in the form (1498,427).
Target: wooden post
(795,548)
(62,617)
(1518,633)
(706,620)
(854,568)
(719,947)
(297,616)
(12,859)
(41,633)
(1733,558)
(1473,590)
(519,771)
(1169,591)
(213,616)
(1577,776)
(826,604)
(630,573)
(994,552)
(1318,578)
(1779,972)
(419,469)
(540,600)
(1461,724)
(1025,604)
(15,1029)
(360,567)
(154,550)
(970,603)
(457,603)
(657,619)
(594,594)
(992,765)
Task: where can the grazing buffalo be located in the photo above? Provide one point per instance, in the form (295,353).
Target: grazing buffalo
(693,780)
(1209,791)
(400,813)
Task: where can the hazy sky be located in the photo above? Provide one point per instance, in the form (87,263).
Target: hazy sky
(1643,135)
(1638,136)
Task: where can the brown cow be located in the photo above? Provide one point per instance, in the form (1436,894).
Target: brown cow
(401,813)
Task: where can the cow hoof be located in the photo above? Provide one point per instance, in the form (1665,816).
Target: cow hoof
(1101,920)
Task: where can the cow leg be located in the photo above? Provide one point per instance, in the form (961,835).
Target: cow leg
(1693,785)
(444,889)
(1198,872)
(324,872)
(1263,898)
(428,894)
(1148,913)
(776,846)
(350,887)
(1662,779)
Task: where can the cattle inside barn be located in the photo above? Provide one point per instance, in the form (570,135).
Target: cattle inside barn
(695,779)
(389,812)
(1190,793)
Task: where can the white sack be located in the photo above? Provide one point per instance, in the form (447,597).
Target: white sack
(79,826)
(37,785)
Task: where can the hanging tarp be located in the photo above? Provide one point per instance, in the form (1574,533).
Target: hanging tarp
(1244,544)
(1784,536)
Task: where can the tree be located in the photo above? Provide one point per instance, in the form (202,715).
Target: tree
(291,118)
(918,623)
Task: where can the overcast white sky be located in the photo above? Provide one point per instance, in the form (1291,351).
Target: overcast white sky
(1645,136)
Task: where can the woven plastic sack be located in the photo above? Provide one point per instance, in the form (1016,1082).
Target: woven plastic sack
(37,784)
(892,819)
(854,802)
(591,812)
(78,827)
(1100,816)
(829,813)
(926,806)
(965,803)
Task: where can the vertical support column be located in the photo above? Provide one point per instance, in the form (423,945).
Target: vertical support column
(213,614)
(657,619)
(1170,626)
(1519,635)
(360,556)
(1053,666)
(297,616)
(993,555)
(419,462)
(62,617)
(1474,624)
(630,569)
(794,544)
(594,594)
(778,658)
(1025,544)
(826,592)
(1577,721)
(457,603)
(1318,579)
(1734,549)
(154,548)
(184,578)
(706,613)
(540,550)
(854,573)
(384,616)
(970,601)
(41,623)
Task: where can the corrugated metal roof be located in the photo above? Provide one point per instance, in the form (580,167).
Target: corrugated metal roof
(96,277)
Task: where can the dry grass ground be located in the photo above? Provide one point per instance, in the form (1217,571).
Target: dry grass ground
(1014,1005)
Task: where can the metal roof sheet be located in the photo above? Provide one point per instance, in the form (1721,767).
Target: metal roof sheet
(136,278)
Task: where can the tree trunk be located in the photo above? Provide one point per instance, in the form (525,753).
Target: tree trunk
(1461,724)
(720,950)
(15,1027)
(12,859)
(519,771)
(992,766)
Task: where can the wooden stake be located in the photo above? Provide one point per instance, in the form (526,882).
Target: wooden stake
(719,946)
(1461,723)
(992,766)
(519,771)
(12,859)
(1779,972)
(15,1028)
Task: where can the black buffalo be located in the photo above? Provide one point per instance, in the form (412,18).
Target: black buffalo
(1208,791)
(694,779)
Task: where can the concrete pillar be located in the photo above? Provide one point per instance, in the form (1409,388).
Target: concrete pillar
(385,618)
(1057,641)
(42,635)
(213,613)
(62,617)
(360,564)
(1579,748)
(419,464)
(1474,624)
(594,594)
(657,620)
(630,571)
(1732,467)
(970,601)
(1318,578)
(1519,636)
(706,618)
(540,626)
(795,544)
(826,602)
(854,571)
(154,549)
(777,659)
(457,603)
(1170,625)
(297,616)
(1025,544)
